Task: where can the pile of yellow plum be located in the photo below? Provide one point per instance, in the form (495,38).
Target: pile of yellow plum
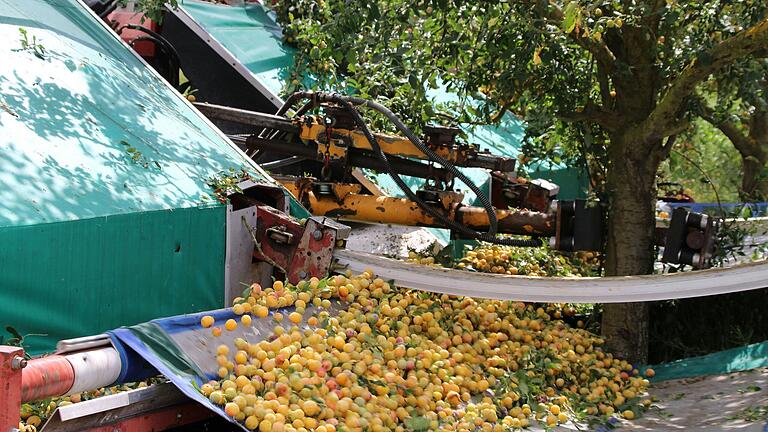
(540,261)
(514,260)
(392,359)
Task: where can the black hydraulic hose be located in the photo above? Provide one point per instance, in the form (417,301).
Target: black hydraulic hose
(102,7)
(304,108)
(287,105)
(156,35)
(171,77)
(111,8)
(492,222)
(292,99)
(173,55)
(488,237)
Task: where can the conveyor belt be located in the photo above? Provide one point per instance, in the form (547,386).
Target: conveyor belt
(560,290)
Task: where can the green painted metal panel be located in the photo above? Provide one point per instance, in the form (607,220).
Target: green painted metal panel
(77,278)
(87,128)
(251,35)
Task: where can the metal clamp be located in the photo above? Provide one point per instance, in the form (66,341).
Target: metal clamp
(280,235)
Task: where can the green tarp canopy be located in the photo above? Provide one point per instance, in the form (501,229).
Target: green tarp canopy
(738,359)
(105,215)
(249,32)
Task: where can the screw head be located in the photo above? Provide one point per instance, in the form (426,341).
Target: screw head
(318,234)
(303,274)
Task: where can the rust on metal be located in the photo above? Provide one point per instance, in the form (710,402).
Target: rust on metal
(10,387)
(300,251)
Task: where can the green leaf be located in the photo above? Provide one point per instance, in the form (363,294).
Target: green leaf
(413,81)
(417,424)
(14,333)
(570,17)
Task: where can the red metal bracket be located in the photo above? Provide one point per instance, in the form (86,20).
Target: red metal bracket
(11,364)
(300,251)
(159,420)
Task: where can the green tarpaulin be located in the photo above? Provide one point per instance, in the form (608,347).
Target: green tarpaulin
(82,277)
(88,130)
(733,360)
(105,218)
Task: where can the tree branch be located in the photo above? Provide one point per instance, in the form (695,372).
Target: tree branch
(593,113)
(747,42)
(731,130)
(758,125)
(605,90)
(678,128)
(503,110)
(653,18)
(597,48)
(666,148)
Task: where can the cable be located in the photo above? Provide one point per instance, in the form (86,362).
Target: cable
(488,237)
(174,62)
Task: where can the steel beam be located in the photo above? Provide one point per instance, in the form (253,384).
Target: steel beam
(245,117)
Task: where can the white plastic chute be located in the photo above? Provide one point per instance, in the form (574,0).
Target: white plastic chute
(623,289)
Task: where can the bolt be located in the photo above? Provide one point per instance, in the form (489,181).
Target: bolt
(302,274)
(317,234)
(18,363)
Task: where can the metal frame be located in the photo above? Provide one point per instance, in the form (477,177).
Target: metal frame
(238,266)
(157,407)
(184,17)
(11,364)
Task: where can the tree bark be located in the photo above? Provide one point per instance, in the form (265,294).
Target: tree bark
(750,138)
(631,193)
(754,181)
(754,158)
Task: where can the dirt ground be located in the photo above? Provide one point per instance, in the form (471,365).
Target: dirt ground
(732,402)
(737,401)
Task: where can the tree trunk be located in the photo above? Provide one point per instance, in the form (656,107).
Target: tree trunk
(754,157)
(631,193)
(754,181)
